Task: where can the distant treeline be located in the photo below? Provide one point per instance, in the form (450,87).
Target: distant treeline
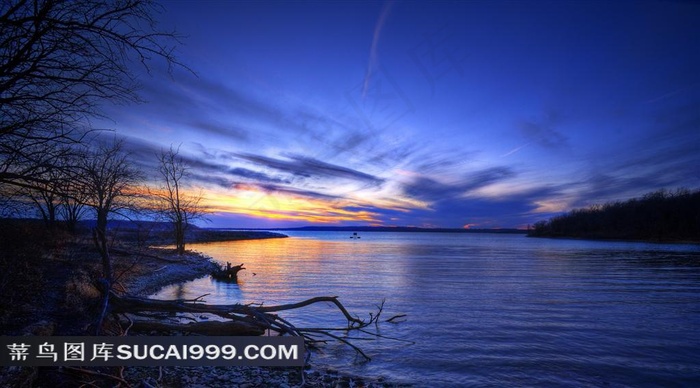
(658,216)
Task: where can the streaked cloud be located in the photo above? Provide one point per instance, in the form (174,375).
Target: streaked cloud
(426,188)
(306,125)
(374,48)
(309,167)
(544,131)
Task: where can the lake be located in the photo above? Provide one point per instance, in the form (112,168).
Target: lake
(484,309)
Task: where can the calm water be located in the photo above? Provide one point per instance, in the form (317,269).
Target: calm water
(483,309)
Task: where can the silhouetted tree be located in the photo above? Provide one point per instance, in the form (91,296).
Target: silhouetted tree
(51,186)
(59,60)
(73,194)
(108,180)
(73,205)
(660,216)
(12,202)
(44,195)
(176,203)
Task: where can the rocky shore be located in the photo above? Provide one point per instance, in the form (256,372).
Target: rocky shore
(62,302)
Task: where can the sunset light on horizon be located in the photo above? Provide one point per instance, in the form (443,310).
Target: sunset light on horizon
(354,193)
(431,114)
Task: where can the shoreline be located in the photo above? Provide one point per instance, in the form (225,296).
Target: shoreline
(164,267)
(189,266)
(62,299)
(159,272)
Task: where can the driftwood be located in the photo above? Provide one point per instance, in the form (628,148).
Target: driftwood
(228,273)
(239,319)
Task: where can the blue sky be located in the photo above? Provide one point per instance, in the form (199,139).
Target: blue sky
(448,114)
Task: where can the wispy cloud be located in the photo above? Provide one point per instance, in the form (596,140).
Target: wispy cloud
(373,51)
(225,130)
(514,150)
(288,204)
(185,104)
(428,189)
(663,155)
(308,167)
(256,175)
(544,131)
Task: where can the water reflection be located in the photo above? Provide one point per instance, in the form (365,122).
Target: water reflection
(488,310)
(220,292)
(288,270)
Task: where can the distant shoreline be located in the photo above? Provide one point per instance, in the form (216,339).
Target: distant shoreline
(400,229)
(219,235)
(662,216)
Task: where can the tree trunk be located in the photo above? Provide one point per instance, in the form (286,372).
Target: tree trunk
(105,284)
(179,238)
(100,238)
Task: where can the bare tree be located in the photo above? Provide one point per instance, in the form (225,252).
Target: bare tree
(109,181)
(59,193)
(73,195)
(176,201)
(59,60)
(44,195)
(12,202)
(73,200)
(50,186)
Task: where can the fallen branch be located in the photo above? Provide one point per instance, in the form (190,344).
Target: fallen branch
(318,299)
(343,340)
(240,319)
(395,317)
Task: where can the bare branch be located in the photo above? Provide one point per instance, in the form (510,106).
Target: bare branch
(60,61)
(174,199)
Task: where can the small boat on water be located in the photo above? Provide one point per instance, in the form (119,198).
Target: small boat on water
(354,235)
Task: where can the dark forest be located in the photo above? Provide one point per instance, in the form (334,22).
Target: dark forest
(662,216)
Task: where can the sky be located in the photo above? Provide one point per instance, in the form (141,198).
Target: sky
(465,114)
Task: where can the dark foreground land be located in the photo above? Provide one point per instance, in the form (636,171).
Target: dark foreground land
(47,283)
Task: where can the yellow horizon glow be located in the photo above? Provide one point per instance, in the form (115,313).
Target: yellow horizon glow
(550,206)
(252,201)
(354,206)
